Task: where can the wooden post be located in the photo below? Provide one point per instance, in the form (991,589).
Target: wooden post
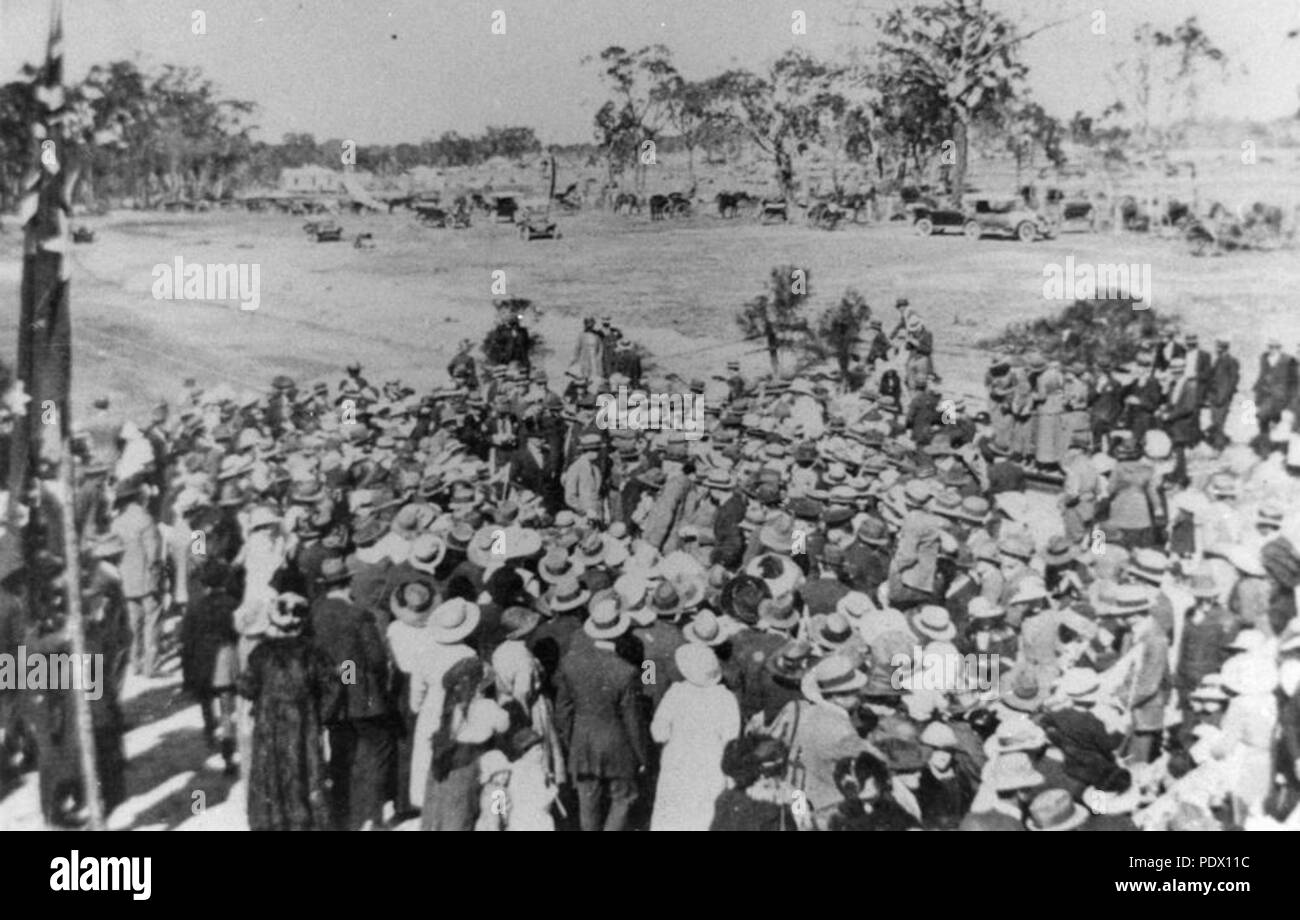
(77,638)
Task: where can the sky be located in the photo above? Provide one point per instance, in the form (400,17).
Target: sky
(383,72)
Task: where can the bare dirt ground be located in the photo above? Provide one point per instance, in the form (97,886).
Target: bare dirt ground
(673,285)
(402,308)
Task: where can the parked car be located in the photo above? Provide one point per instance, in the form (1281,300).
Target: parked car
(929,217)
(1008,217)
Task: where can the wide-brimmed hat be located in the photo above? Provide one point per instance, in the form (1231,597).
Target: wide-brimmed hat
(427,551)
(933,622)
(1023,692)
(1124,600)
(939,735)
(698,664)
(777,535)
(831,631)
(1081,685)
(606,618)
(566,594)
(981,608)
(1015,771)
(633,591)
(1029,590)
(557,565)
(517,622)
(1150,565)
(666,600)
(833,675)
(333,571)
(780,573)
(741,597)
(872,531)
(590,550)
(1019,733)
(453,620)
(1017,546)
(1056,810)
(705,629)
(791,661)
(412,603)
(778,612)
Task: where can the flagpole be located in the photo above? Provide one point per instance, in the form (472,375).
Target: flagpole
(45,371)
(77,638)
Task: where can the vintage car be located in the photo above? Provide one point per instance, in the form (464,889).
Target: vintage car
(930,217)
(1008,217)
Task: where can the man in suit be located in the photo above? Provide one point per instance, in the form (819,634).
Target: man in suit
(1142,397)
(363,727)
(1199,364)
(866,559)
(599,716)
(142,573)
(1105,404)
(1225,374)
(1181,413)
(1273,391)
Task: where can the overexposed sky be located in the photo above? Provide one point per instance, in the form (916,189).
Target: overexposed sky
(381,72)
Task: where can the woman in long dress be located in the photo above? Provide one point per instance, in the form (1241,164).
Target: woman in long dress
(694,722)
(292,686)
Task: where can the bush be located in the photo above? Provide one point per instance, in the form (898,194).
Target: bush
(1086,331)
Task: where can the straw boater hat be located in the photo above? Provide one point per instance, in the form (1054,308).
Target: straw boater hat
(791,661)
(933,622)
(517,622)
(427,551)
(665,600)
(704,629)
(453,621)
(981,608)
(1025,692)
(833,675)
(832,631)
(567,594)
(940,736)
(1056,810)
(606,620)
(1028,591)
(1124,600)
(1080,685)
(698,664)
(633,591)
(1149,565)
(1014,771)
(557,565)
(778,612)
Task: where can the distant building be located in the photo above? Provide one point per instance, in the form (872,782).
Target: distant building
(308,180)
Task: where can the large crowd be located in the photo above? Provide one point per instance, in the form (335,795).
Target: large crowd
(850,603)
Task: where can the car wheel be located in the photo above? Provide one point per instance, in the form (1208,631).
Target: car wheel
(1026,232)
(924,227)
(972,229)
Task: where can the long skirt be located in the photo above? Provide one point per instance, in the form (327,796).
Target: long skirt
(451,804)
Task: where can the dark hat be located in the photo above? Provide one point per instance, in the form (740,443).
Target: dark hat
(333,571)
(741,596)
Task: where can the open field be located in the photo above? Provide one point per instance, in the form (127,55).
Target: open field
(402,308)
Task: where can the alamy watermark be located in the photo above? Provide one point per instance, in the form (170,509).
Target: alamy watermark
(1102,281)
(180,280)
(41,671)
(945,673)
(641,411)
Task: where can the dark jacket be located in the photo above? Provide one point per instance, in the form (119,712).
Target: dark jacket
(1225,375)
(1088,748)
(599,716)
(348,635)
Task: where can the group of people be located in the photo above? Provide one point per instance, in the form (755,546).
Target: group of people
(835,609)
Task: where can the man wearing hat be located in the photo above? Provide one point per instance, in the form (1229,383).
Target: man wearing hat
(867,557)
(1180,414)
(142,572)
(599,715)
(1206,633)
(1225,375)
(1141,676)
(913,574)
(582,480)
(363,727)
(1142,397)
(1274,389)
(1088,746)
(819,731)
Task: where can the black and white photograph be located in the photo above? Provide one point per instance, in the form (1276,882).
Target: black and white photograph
(650,415)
